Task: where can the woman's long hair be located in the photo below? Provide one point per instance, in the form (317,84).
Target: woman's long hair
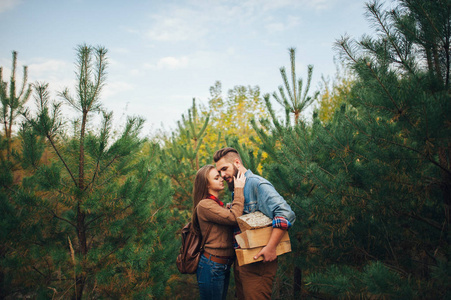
(200,191)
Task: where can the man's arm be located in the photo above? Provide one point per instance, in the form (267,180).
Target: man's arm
(272,204)
(269,251)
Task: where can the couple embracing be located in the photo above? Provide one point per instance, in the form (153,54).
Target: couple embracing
(249,193)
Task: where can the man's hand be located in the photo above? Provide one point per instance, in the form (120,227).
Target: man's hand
(268,253)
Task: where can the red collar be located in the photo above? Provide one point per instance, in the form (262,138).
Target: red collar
(216,199)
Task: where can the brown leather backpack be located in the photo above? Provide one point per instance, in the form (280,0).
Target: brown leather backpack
(191,250)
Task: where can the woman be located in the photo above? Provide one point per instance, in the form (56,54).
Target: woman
(209,213)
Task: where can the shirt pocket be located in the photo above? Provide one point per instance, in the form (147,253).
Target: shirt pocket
(250,207)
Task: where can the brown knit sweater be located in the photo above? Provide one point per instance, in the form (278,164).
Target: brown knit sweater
(220,240)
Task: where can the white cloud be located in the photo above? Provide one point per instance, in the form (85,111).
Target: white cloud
(115,87)
(8,4)
(203,18)
(179,25)
(58,73)
(50,65)
(288,23)
(275,27)
(169,62)
(321,4)
(270,5)
(55,72)
(176,24)
(120,50)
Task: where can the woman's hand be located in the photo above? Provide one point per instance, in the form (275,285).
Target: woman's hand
(239,180)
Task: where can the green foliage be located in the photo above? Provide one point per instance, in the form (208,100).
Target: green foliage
(93,213)
(371,186)
(32,147)
(231,117)
(251,157)
(297,100)
(89,219)
(12,100)
(374,280)
(181,156)
(334,92)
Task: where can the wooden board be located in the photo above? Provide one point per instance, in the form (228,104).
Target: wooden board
(246,256)
(257,237)
(253,221)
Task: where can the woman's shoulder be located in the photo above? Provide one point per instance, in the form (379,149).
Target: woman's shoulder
(207,206)
(205,203)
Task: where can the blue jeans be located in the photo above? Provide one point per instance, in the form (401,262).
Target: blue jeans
(213,279)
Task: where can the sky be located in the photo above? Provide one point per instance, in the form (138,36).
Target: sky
(162,54)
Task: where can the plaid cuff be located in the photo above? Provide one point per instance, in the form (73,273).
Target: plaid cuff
(281,222)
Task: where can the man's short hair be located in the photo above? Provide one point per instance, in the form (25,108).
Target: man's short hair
(228,152)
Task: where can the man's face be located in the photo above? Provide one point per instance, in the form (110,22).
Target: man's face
(227,170)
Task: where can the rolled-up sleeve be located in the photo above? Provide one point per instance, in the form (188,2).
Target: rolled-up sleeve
(281,222)
(272,204)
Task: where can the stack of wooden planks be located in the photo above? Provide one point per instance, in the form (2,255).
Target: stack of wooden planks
(256,230)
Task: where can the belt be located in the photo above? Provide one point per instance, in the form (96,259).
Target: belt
(225,260)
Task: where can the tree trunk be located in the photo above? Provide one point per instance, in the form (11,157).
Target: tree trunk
(197,153)
(444,157)
(80,287)
(81,229)
(297,283)
(297,275)
(81,159)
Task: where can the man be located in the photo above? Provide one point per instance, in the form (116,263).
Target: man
(254,281)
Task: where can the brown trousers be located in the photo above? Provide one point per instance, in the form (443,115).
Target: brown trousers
(254,281)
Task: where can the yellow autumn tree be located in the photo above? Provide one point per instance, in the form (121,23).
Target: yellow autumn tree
(231,115)
(334,92)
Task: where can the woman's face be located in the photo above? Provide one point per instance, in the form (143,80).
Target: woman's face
(215,181)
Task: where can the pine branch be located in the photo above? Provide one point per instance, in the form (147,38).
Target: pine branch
(91,183)
(103,141)
(42,274)
(61,159)
(292,52)
(418,152)
(58,217)
(391,39)
(432,223)
(403,146)
(112,251)
(109,214)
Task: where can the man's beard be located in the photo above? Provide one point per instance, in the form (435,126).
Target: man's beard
(231,184)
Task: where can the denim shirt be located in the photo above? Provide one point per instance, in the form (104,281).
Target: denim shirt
(260,194)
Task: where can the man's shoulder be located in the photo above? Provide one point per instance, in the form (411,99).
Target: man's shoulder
(255,179)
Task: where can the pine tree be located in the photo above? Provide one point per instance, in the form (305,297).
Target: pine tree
(181,155)
(91,216)
(285,142)
(370,187)
(12,101)
(297,100)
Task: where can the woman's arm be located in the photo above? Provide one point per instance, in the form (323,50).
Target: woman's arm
(210,211)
